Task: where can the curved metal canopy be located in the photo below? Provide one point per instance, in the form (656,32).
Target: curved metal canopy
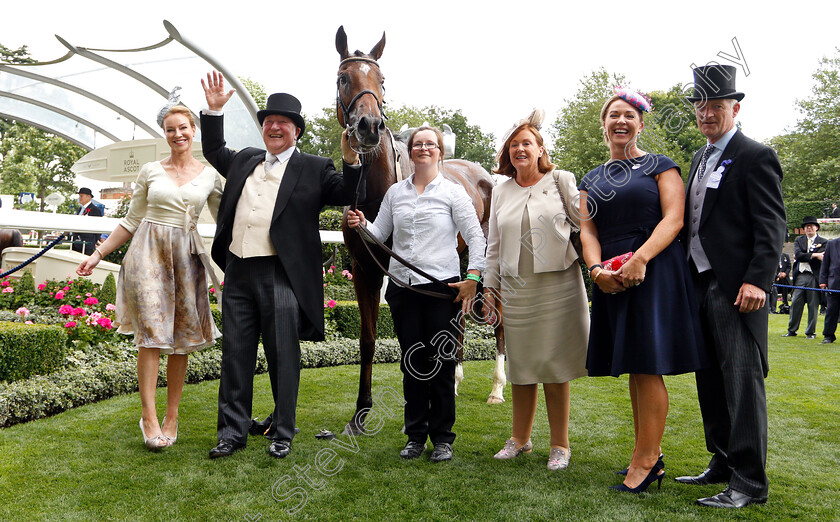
(96,97)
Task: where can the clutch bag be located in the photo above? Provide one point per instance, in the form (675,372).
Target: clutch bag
(614,263)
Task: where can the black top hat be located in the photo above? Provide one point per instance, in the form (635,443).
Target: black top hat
(810,220)
(284,105)
(85,190)
(714,82)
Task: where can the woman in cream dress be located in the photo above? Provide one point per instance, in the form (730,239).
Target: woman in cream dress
(162,293)
(534,282)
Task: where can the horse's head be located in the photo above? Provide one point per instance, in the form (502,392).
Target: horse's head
(360,94)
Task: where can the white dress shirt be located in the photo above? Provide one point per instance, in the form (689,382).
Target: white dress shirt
(425,229)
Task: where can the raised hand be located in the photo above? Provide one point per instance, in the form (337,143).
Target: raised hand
(214,91)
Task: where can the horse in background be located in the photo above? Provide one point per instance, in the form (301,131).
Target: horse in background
(359,108)
(10,237)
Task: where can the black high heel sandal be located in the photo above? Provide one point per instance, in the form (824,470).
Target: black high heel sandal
(654,475)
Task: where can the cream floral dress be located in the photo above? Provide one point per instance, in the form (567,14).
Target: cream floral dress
(162,293)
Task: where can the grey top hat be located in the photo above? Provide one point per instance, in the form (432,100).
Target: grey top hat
(284,105)
(715,82)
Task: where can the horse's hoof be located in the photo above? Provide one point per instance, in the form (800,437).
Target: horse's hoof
(352,429)
(495,400)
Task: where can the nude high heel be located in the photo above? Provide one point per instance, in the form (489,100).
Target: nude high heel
(155,443)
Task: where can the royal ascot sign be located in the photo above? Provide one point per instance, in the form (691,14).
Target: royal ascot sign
(126,162)
(121,162)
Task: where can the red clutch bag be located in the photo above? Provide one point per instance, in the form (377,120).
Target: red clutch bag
(616,262)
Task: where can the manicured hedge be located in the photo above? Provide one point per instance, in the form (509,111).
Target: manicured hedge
(94,378)
(797,210)
(30,349)
(348,320)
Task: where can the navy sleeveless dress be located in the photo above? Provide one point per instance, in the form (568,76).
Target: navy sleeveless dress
(652,328)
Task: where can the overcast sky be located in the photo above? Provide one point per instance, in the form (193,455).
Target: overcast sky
(493,60)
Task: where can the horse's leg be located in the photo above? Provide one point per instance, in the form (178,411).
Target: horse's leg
(499,379)
(459,366)
(367,287)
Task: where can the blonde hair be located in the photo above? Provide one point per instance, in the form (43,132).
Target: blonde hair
(178,109)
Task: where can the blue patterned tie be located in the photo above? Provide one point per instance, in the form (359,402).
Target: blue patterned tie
(701,170)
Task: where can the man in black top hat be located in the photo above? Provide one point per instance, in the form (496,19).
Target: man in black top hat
(85,243)
(808,252)
(733,234)
(268,243)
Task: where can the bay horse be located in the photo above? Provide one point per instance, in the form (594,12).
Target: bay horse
(359,101)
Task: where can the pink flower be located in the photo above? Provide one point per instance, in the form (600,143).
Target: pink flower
(22,311)
(91,301)
(78,297)
(59,295)
(330,271)
(28,322)
(345,273)
(104,322)
(70,324)
(66,288)
(212,290)
(65,309)
(332,267)
(5,283)
(8,290)
(88,294)
(350,277)
(42,286)
(110,307)
(79,311)
(331,303)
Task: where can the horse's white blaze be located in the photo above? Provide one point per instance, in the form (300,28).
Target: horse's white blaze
(365,68)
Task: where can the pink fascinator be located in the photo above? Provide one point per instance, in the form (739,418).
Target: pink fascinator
(636,99)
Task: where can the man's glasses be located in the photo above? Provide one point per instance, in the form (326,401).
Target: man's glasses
(421,146)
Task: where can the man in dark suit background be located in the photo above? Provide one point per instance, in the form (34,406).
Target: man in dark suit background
(807,255)
(267,240)
(830,279)
(782,278)
(734,229)
(85,243)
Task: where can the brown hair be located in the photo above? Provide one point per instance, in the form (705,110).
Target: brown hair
(505,167)
(438,136)
(178,109)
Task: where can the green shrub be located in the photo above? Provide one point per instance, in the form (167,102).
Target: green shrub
(797,210)
(108,292)
(348,320)
(30,349)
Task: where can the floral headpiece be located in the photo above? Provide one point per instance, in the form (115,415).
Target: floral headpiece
(636,99)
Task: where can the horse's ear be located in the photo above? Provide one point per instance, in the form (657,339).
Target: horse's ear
(341,43)
(376,52)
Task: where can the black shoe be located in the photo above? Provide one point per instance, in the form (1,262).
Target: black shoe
(731,499)
(413,449)
(280,448)
(225,448)
(810,336)
(827,341)
(789,334)
(654,475)
(709,476)
(442,451)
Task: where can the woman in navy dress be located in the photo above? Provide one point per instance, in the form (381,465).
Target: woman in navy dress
(644,316)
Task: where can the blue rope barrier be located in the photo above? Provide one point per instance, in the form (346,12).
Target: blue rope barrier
(33,258)
(828,290)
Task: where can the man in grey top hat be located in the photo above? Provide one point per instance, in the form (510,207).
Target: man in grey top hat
(733,234)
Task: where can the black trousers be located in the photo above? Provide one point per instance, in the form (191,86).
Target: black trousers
(731,392)
(426,333)
(800,297)
(832,313)
(258,302)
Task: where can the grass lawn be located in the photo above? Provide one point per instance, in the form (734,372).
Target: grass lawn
(90,463)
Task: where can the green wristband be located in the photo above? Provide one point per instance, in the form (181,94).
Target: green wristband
(473,277)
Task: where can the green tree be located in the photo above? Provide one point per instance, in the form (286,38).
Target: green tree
(579,144)
(36,161)
(19,55)
(671,128)
(323,135)
(256,90)
(809,154)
